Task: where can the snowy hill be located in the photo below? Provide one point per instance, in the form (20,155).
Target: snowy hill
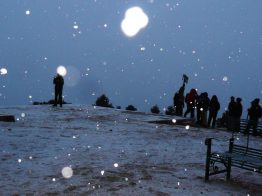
(80,150)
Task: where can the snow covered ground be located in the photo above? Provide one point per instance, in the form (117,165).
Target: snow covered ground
(110,152)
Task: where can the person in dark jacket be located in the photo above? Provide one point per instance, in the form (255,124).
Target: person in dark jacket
(254,113)
(190,100)
(179,101)
(231,109)
(214,107)
(202,108)
(59,83)
(237,114)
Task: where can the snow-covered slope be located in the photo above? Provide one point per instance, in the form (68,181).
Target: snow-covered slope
(110,152)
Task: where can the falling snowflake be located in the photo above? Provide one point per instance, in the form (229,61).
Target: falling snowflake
(135,20)
(27,12)
(3,71)
(225,78)
(67,172)
(115,164)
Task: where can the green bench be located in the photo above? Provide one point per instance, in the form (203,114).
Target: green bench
(237,156)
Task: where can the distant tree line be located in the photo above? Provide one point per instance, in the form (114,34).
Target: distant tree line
(103,101)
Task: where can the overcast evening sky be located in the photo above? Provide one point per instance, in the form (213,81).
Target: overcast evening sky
(217,43)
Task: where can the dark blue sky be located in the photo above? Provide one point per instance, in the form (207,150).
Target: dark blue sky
(216,43)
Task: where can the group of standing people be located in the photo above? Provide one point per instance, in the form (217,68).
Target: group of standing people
(207,110)
(201,103)
(235,112)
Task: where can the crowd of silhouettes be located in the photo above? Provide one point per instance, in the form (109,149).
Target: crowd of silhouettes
(207,110)
(234,113)
(201,103)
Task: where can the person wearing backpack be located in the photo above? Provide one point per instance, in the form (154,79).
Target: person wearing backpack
(190,100)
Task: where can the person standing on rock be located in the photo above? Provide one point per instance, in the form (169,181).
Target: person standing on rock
(59,83)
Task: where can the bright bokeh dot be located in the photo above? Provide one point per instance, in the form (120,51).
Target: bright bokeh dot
(187,127)
(67,172)
(116,165)
(61,70)
(225,78)
(135,20)
(3,71)
(173,120)
(27,12)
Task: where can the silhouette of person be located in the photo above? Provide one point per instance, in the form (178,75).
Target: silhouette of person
(202,107)
(179,101)
(231,110)
(237,114)
(214,107)
(254,113)
(190,100)
(59,83)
